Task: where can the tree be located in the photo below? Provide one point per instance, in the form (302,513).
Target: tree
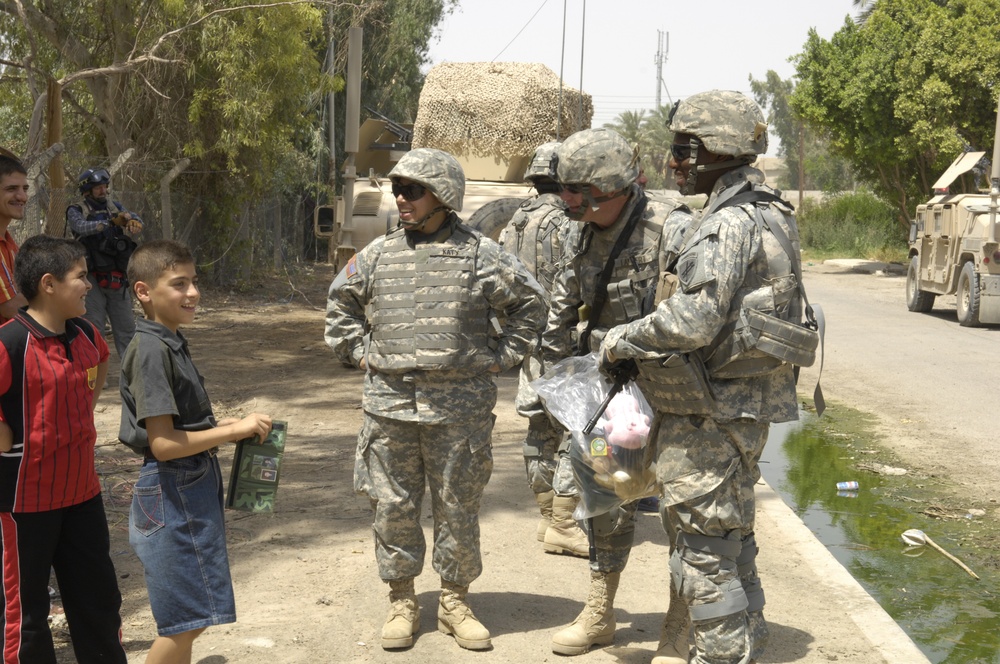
(822,170)
(901,95)
(237,87)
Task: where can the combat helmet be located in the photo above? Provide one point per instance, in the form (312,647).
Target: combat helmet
(438,171)
(542,164)
(726,123)
(599,157)
(91,178)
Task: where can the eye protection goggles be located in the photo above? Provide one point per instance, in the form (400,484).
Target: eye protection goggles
(680,151)
(410,192)
(575,188)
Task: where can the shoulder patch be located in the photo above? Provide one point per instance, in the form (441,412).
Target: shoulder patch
(352,266)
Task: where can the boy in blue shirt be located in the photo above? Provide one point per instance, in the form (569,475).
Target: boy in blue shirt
(176,523)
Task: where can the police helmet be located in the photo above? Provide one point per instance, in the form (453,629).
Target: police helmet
(91,178)
(600,157)
(726,122)
(438,171)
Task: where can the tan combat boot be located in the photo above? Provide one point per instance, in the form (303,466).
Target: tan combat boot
(565,535)
(456,618)
(674,647)
(404,615)
(595,626)
(544,501)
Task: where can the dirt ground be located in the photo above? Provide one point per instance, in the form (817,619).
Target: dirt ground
(307,587)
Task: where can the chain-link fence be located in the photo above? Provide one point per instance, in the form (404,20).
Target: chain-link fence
(266,237)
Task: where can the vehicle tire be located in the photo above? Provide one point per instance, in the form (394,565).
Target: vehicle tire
(917,300)
(493,217)
(968,296)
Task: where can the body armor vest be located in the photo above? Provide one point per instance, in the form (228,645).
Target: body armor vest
(632,285)
(110,249)
(537,241)
(763,330)
(428,311)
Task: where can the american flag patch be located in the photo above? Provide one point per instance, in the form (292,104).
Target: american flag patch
(352,266)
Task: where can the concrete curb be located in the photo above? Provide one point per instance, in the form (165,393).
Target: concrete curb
(863,266)
(887,637)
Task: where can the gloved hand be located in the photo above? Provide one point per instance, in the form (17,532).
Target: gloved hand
(619,371)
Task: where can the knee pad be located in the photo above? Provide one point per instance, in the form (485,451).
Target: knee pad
(732,598)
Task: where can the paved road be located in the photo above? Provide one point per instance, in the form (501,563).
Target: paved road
(931,382)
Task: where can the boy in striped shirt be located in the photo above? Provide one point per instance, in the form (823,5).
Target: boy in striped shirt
(52,367)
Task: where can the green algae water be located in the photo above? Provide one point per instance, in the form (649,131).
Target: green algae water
(948,614)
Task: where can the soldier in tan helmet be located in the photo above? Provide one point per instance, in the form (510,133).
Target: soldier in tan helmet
(536,235)
(715,387)
(615,256)
(434,290)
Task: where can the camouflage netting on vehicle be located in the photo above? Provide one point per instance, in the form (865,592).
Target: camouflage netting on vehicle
(495,108)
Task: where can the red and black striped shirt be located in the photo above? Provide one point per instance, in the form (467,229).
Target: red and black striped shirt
(47,384)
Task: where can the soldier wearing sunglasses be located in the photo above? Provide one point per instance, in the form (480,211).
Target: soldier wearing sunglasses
(419,310)
(108,231)
(715,386)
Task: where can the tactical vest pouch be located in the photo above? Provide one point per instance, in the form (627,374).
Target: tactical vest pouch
(764,343)
(623,301)
(666,287)
(676,384)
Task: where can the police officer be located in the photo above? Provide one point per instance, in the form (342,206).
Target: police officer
(107,230)
(435,290)
(535,235)
(617,254)
(714,386)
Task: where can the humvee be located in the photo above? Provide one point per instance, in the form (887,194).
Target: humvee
(954,247)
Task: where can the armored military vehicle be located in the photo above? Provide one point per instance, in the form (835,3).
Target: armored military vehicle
(490,115)
(954,246)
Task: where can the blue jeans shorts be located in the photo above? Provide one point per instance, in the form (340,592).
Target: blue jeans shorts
(177,528)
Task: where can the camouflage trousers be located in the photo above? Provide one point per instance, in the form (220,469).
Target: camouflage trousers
(708,470)
(543,437)
(614,534)
(395,461)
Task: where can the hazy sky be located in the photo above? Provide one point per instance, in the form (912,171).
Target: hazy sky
(711,43)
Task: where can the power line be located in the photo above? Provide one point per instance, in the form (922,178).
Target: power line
(544,2)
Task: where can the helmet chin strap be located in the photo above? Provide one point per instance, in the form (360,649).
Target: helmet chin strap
(694,168)
(419,223)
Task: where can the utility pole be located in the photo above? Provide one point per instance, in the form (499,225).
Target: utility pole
(662,48)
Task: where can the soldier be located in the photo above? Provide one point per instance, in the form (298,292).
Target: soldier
(617,255)
(108,232)
(535,235)
(715,393)
(434,289)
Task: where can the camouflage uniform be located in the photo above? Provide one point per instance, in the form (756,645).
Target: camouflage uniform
(433,423)
(709,443)
(641,260)
(636,271)
(536,235)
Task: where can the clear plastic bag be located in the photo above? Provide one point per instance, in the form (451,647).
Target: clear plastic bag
(610,462)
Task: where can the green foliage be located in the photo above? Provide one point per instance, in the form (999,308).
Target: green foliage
(238,87)
(650,133)
(851,225)
(903,94)
(821,169)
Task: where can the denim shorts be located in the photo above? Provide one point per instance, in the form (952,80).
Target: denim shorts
(177,528)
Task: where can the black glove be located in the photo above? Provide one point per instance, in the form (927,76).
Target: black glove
(619,371)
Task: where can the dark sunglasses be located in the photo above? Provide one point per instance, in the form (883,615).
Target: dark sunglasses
(680,152)
(575,188)
(410,192)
